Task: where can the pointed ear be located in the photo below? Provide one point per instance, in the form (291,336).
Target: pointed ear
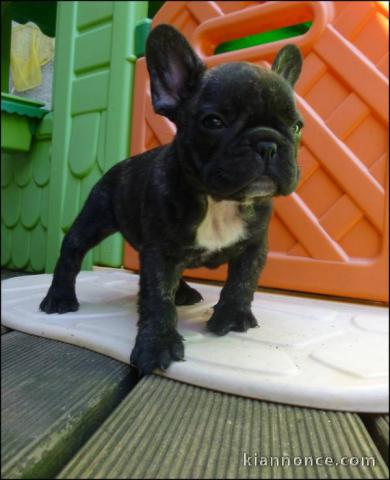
(288,63)
(174,68)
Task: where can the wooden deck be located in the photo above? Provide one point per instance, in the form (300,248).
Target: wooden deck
(71,413)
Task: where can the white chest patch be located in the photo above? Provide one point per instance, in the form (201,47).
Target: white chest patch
(222,226)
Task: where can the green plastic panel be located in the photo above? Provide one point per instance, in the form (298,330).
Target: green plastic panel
(93,80)
(19,119)
(142,31)
(16,133)
(25,200)
(89,17)
(85,58)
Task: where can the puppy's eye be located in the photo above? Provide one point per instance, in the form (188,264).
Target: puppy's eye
(213,122)
(298,127)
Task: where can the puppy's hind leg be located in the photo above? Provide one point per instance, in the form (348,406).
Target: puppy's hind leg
(186,295)
(94,223)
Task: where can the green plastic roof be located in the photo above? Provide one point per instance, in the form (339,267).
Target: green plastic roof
(22,106)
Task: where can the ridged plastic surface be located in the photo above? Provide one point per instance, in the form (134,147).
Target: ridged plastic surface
(331,235)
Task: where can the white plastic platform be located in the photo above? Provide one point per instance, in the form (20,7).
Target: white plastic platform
(308,352)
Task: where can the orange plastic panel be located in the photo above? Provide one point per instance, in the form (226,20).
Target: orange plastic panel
(331,235)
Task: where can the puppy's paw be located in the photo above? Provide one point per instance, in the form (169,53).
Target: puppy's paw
(224,320)
(58,302)
(154,350)
(187,295)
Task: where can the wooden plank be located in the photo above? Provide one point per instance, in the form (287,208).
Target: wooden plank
(54,396)
(378,426)
(166,429)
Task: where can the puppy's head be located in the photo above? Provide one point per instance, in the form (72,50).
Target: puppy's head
(238,129)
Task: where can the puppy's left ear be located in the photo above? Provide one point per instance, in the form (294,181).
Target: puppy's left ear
(174,68)
(288,63)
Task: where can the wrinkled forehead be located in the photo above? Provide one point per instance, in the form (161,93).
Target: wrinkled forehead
(238,85)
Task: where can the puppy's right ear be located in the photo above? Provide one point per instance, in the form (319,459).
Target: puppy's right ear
(288,63)
(174,68)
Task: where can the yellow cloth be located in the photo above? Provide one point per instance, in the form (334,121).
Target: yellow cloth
(30,49)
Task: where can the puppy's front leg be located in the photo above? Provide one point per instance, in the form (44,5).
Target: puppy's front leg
(158,343)
(233,310)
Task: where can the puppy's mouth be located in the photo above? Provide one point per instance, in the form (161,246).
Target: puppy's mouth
(262,187)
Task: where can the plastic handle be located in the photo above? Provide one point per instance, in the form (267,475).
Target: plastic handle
(266,17)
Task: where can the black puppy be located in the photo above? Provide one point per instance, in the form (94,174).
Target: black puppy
(203,200)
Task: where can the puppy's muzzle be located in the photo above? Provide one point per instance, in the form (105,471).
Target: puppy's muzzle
(268,143)
(265,140)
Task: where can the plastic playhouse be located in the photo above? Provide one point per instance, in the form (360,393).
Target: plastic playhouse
(87,133)
(325,284)
(102,112)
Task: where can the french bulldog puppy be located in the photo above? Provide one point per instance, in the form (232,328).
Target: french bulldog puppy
(203,200)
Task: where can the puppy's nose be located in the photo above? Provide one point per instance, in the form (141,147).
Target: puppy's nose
(267,150)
